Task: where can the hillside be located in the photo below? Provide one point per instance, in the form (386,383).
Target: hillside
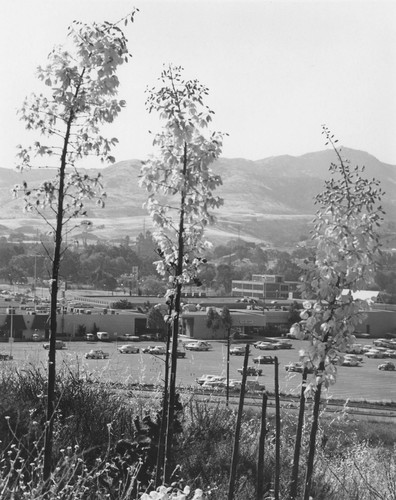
(269,200)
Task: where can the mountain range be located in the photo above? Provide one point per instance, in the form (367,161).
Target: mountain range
(269,201)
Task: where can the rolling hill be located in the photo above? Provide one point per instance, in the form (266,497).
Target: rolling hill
(269,200)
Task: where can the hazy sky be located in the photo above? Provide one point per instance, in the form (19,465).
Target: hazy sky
(276,70)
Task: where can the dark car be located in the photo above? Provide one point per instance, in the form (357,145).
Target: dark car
(297,367)
(264,360)
(251,370)
(6,357)
(179,354)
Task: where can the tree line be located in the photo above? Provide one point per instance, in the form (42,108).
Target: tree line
(103,265)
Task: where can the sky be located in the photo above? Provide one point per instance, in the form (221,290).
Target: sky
(276,70)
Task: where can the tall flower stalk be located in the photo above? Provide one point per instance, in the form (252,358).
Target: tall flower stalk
(180,183)
(347,250)
(81,85)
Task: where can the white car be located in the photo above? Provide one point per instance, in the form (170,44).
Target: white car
(375,353)
(381,342)
(238,350)
(129,338)
(199,345)
(157,349)
(128,349)
(280,343)
(354,357)
(217,382)
(283,344)
(350,362)
(96,354)
(203,379)
(267,346)
(354,349)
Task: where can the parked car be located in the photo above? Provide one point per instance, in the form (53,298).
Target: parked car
(280,343)
(129,338)
(381,342)
(103,336)
(351,362)
(128,349)
(238,351)
(375,353)
(387,367)
(157,350)
(58,345)
(266,346)
(149,336)
(354,349)
(6,357)
(207,377)
(96,354)
(179,354)
(233,385)
(390,353)
(297,367)
(199,345)
(254,385)
(283,344)
(251,371)
(354,357)
(264,360)
(214,383)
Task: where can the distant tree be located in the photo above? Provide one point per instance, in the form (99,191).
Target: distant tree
(220,251)
(224,277)
(155,319)
(95,329)
(122,304)
(81,331)
(207,274)
(294,313)
(213,320)
(107,282)
(152,285)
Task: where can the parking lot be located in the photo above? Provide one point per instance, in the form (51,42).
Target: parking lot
(364,382)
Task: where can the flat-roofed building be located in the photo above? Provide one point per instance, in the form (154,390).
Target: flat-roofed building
(265,287)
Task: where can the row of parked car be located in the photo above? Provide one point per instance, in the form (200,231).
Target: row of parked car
(219,382)
(157,350)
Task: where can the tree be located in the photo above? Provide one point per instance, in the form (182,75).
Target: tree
(213,320)
(224,277)
(155,319)
(347,248)
(180,172)
(82,85)
(152,285)
(294,313)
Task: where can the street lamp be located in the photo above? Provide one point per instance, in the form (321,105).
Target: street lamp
(11,338)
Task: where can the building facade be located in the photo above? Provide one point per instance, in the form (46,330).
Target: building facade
(265,287)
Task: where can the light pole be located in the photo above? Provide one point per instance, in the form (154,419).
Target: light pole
(11,338)
(35,279)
